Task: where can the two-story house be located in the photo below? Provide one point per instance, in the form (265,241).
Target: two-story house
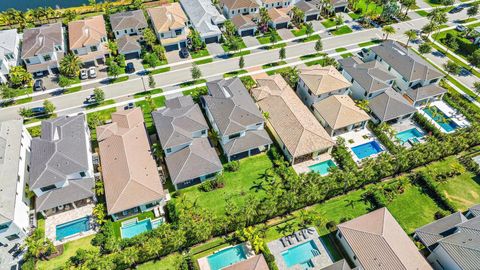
(61,174)
(235,117)
(205,18)
(183,134)
(316,83)
(14,169)
(232,8)
(43,47)
(128,29)
(9,52)
(268,4)
(310,10)
(171,25)
(88,40)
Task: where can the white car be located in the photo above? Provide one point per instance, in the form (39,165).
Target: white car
(461,28)
(92,72)
(83,74)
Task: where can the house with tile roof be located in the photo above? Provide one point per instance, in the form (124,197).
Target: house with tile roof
(256,262)
(232,8)
(376,241)
(279,18)
(270,4)
(61,166)
(310,10)
(474,211)
(316,83)
(205,18)
(294,127)
(9,52)
(128,29)
(129,46)
(245,25)
(390,107)
(234,116)
(43,47)
(87,39)
(129,171)
(338,114)
(14,168)
(183,134)
(171,25)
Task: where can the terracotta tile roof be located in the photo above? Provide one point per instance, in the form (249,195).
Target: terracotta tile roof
(243,21)
(279,15)
(168,17)
(321,80)
(256,262)
(340,111)
(129,172)
(86,32)
(237,4)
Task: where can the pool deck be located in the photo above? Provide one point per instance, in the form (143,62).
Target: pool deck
(407,124)
(355,138)
(203,262)
(320,261)
(303,167)
(51,223)
(450,112)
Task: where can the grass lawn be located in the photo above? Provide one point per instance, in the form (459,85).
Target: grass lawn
(432,3)
(72,89)
(119,79)
(190,83)
(204,61)
(265,39)
(104,114)
(299,32)
(465,46)
(320,62)
(369,43)
(118,224)
(234,73)
(346,55)
(166,263)
(340,49)
(275,64)
(467,20)
(328,23)
(39,118)
(104,103)
(194,90)
(23,100)
(355,16)
(148,93)
(422,13)
(310,56)
(342,30)
(69,250)
(159,102)
(237,185)
(23,91)
(240,43)
(362,6)
(238,54)
(310,38)
(159,70)
(158,63)
(279,71)
(200,53)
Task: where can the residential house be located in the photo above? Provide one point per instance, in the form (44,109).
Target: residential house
(129,46)
(338,114)
(279,18)
(183,134)
(232,8)
(61,173)
(235,117)
(376,241)
(129,171)
(368,79)
(339,5)
(338,265)
(454,242)
(310,10)
(9,52)
(171,25)
(269,4)
(390,107)
(88,40)
(297,131)
(128,29)
(256,262)
(474,211)
(411,71)
(245,25)
(317,83)
(14,171)
(205,18)
(42,48)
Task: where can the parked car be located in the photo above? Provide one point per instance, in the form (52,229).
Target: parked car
(92,72)
(130,105)
(461,28)
(184,52)
(456,10)
(38,111)
(83,74)
(38,85)
(130,68)
(90,99)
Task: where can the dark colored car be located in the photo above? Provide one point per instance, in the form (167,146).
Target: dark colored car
(38,111)
(456,10)
(130,105)
(184,52)
(38,85)
(130,68)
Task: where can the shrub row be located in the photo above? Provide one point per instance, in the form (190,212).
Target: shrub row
(427,125)
(384,139)
(426,181)
(470,164)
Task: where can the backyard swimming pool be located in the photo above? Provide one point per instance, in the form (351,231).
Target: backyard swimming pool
(322,167)
(301,254)
(131,229)
(411,134)
(367,149)
(441,119)
(226,257)
(71,228)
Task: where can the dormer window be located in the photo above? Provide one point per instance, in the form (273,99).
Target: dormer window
(47,57)
(93,48)
(47,188)
(83,174)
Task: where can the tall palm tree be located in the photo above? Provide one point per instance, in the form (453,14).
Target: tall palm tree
(70,65)
(410,34)
(387,30)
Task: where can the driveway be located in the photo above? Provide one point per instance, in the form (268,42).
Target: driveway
(215,48)
(317,26)
(174,57)
(250,41)
(285,33)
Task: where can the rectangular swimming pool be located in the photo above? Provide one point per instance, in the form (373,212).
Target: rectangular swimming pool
(226,257)
(131,229)
(411,134)
(322,167)
(441,119)
(301,254)
(72,227)
(367,149)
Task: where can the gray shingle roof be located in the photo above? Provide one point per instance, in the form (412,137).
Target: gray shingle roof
(178,121)
(406,62)
(204,16)
(431,233)
(307,7)
(8,42)
(129,19)
(424,92)
(41,40)
(60,151)
(127,44)
(463,248)
(475,210)
(75,190)
(252,139)
(10,144)
(390,105)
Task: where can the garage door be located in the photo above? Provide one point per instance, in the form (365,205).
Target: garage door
(340,9)
(130,56)
(211,40)
(311,17)
(247,33)
(170,48)
(281,25)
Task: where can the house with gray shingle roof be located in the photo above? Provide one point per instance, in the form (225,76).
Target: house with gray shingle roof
(205,18)
(433,232)
(14,161)
(129,46)
(474,211)
(130,23)
(311,11)
(61,173)
(245,25)
(9,52)
(182,131)
(235,117)
(232,8)
(391,107)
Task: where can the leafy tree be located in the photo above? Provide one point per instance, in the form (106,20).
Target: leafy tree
(7,92)
(297,16)
(151,81)
(99,95)
(48,106)
(114,69)
(411,35)
(159,51)
(149,37)
(137,4)
(282,53)
(230,29)
(151,60)
(241,62)
(25,112)
(451,43)
(473,10)
(19,76)
(338,20)
(309,29)
(273,36)
(150,103)
(112,47)
(474,58)
(197,43)
(387,30)
(425,48)
(94,120)
(319,45)
(330,61)
(120,59)
(70,65)
(390,10)
(452,67)
(196,72)
(428,28)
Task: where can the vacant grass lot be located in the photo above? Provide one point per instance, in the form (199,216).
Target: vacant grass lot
(362,6)
(265,39)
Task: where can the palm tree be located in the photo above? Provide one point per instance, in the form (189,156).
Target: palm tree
(387,30)
(411,35)
(70,65)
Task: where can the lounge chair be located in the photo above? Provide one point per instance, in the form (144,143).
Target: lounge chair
(289,240)
(310,230)
(284,243)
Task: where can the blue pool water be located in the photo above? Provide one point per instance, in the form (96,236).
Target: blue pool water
(73,227)
(322,167)
(411,134)
(138,227)
(301,254)
(226,257)
(367,149)
(447,125)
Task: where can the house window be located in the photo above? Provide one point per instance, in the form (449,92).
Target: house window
(27,61)
(47,57)
(58,48)
(118,33)
(3,227)
(161,35)
(354,257)
(93,48)
(204,132)
(233,11)
(234,136)
(47,188)
(434,81)
(12,237)
(351,80)
(75,51)
(169,150)
(340,235)
(82,174)
(178,32)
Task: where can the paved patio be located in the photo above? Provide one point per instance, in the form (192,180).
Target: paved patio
(450,112)
(355,138)
(320,260)
(303,167)
(405,125)
(51,223)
